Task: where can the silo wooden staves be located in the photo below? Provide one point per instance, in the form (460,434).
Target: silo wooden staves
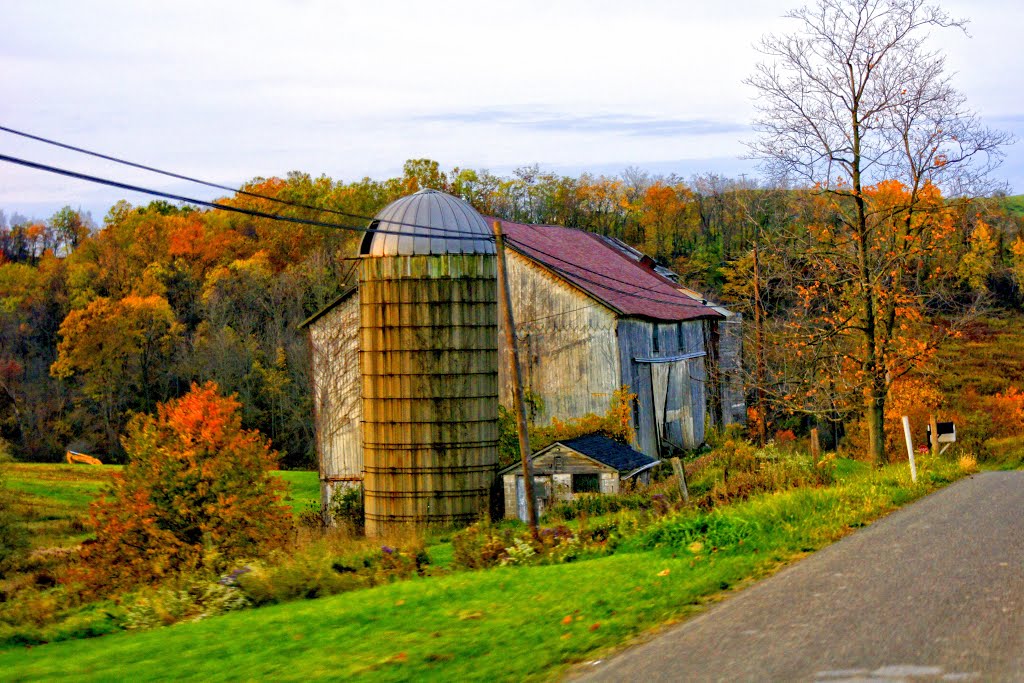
(429,363)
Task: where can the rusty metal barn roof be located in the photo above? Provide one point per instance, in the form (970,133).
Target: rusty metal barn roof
(430,222)
(627,285)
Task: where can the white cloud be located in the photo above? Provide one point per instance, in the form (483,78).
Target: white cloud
(231,90)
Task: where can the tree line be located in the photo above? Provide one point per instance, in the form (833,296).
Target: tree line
(97,324)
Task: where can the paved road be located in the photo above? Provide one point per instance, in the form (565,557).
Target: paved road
(932,592)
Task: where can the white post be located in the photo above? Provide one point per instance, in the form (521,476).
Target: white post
(910,448)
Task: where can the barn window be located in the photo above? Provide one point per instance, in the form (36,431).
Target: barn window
(655,338)
(682,337)
(586,483)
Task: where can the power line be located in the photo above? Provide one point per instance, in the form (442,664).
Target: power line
(461,235)
(570,275)
(523,323)
(302,221)
(198,181)
(679,299)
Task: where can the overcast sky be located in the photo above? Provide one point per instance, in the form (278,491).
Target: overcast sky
(228,91)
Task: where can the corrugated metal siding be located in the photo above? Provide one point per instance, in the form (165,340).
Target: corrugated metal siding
(693,334)
(568,348)
(334,339)
(428,222)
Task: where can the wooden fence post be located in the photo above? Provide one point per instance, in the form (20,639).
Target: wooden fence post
(934,426)
(677,467)
(815,445)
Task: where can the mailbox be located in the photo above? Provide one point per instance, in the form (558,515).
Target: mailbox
(946,433)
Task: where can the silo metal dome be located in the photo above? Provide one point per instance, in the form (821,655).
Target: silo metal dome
(429,222)
(429,363)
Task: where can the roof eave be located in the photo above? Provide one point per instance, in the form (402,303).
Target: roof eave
(642,468)
(329,307)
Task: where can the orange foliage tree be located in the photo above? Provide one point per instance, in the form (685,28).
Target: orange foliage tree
(859,323)
(854,103)
(196,494)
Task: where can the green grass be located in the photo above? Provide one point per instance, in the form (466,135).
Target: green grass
(1006,453)
(1015,205)
(303,489)
(503,624)
(54,498)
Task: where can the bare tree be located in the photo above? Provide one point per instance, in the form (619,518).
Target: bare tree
(852,98)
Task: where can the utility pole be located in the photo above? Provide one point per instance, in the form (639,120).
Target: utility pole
(759,372)
(517,382)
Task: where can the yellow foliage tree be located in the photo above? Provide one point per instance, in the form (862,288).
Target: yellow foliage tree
(1017,249)
(119,351)
(979,261)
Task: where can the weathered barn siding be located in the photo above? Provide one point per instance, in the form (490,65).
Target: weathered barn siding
(567,344)
(334,341)
(680,382)
(734,406)
(429,363)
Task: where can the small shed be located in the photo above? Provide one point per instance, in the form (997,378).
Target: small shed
(587,464)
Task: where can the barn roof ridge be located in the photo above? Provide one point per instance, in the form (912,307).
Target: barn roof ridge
(583,262)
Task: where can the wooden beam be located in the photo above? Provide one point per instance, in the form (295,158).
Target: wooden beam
(517,382)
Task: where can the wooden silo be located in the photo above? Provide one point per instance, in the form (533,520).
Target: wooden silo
(429,363)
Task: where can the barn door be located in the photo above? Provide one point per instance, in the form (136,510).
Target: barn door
(670,386)
(659,400)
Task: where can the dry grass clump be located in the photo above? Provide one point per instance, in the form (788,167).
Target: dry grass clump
(967,464)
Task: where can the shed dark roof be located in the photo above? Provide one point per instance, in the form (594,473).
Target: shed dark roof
(605,272)
(609,452)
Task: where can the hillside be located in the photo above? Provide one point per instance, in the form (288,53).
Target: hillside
(521,622)
(1015,205)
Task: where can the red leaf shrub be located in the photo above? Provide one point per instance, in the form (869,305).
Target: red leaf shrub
(196,493)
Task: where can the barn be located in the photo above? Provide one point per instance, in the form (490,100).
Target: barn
(591,313)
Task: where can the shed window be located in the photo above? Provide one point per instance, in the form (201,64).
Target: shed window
(654,338)
(586,483)
(682,337)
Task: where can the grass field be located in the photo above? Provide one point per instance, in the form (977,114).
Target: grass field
(510,623)
(1015,205)
(519,623)
(54,498)
(986,359)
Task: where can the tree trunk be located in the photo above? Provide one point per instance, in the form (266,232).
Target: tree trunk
(875,408)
